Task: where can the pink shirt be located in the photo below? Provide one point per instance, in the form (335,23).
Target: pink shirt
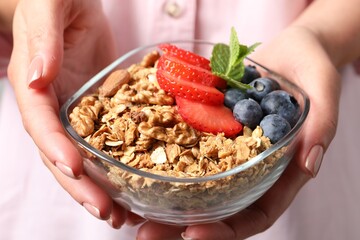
(33,204)
(211,20)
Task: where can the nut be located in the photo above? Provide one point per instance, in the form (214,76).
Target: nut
(113,83)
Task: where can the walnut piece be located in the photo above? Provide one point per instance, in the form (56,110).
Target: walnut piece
(83,116)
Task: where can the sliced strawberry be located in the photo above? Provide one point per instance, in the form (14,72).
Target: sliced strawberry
(188,72)
(185,55)
(208,118)
(189,90)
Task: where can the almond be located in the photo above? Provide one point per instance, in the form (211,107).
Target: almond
(113,83)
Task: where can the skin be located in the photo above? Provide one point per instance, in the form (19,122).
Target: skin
(332,41)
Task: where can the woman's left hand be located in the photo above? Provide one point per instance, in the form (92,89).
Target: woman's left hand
(297,55)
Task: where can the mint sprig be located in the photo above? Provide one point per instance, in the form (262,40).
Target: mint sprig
(227,61)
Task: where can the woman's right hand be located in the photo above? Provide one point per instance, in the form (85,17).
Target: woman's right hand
(58,45)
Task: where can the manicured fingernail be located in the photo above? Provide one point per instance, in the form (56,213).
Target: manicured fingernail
(184,237)
(135,222)
(35,71)
(91,209)
(111,222)
(314,159)
(65,169)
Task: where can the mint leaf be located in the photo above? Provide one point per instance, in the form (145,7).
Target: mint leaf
(220,59)
(227,61)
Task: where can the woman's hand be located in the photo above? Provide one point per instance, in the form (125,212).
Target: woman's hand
(307,53)
(58,45)
(298,56)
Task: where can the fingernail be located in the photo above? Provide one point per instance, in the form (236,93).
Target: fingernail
(314,159)
(135,222)
(91,209)
(183,235)
(35,71)
(65,169)
(111,222)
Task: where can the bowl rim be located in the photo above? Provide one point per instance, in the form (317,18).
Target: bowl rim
(64,118)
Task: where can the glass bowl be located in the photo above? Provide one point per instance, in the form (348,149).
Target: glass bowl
(189,200)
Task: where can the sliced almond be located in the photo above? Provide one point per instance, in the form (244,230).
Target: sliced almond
(158,156)
(113,143)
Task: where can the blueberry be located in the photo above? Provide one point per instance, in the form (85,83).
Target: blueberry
(248,112)
(250,74)
(233,95)
(282,103)
(261,87)
(275,127)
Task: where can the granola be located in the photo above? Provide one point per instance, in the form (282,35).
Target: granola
(135,122)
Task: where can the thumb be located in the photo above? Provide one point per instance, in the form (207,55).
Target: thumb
(44,22)
(309,66)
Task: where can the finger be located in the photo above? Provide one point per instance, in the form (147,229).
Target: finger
(39,110)
(264,212)
(259,216)
(210,231)
(134,219)
(319,79)
(118,216)
(157,231)
(87,193)
(43,23)
(321,123)
(320,126)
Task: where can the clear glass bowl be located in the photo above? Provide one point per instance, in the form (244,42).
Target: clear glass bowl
(185,201)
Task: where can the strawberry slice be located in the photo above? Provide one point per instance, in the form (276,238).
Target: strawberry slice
(176,86)
(208,118)
(186,56)
(192,73)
